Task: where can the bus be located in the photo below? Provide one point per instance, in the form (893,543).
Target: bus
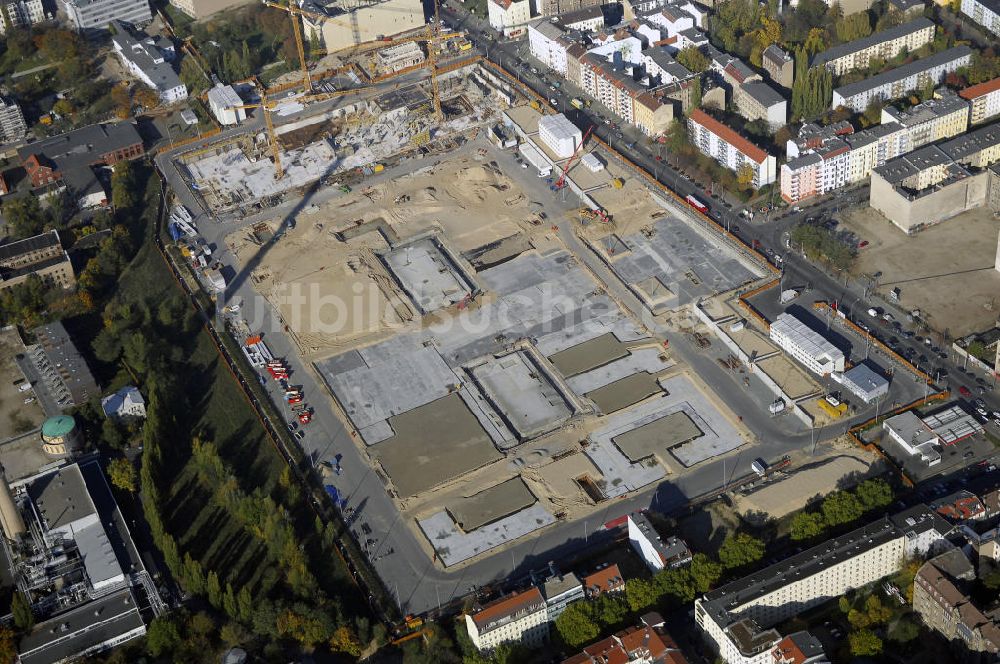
(696,204)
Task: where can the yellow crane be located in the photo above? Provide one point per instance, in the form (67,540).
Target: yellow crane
(295,13)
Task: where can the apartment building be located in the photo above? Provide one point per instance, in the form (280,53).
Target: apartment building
(716,140)
(547,42)
(779,65)
(799,648)
(41,255)
(149,59)
(984,99)
(98,14)
(518,618)
(648,643)
(557,7)
(559,591)
(20,14)
(808,347)
(946,608)
(757,100)
(977,149)
(944,116)
(12,124)
(509,17)
(983,12)
(607,578)
(658,552)
(883,45)
(895,83)
(906,8)
(198,9)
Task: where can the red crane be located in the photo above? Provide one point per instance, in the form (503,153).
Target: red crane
(561,182)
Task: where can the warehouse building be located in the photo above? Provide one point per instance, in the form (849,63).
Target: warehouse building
(559,134)
(807,346)
(864,383)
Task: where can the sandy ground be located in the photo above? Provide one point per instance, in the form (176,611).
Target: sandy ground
(946,271)
(630,207)
(795,382)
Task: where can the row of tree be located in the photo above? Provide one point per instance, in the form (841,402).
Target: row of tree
(841,508)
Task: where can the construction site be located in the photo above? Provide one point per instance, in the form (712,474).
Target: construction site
(493,382)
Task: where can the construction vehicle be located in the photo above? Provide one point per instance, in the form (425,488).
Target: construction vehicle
(618,183)
(561,182)
(535,105)
(576,103)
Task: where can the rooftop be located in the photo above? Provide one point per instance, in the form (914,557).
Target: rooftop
(953,424)
(805,338)
(547,28)
(945,104)
(62,497)
(145,55)
(798,648)
(765,95)
(973,142)
(905,71)
(749,150)
(224,96)
(985,88)
(900,168)
(670,549)
(36,243)
(776,54)
(865,377)
(606,579)
(514,606)
(873,39)
(947,594)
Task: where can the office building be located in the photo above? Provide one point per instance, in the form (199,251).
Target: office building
(757,100)
(656,551)
(559,591)
(716,140)
(400,56)
(863,382)
(779,65)
(945,607)
(342,24)
(92,15)
(509,17)
(983,12)
(12,124)
(807,346)
(225,104)
(895,83)
(518,618)
(648,643)
(42,256)
(149,59)
(944,116)
(985,101)
(883,45)
(199,9)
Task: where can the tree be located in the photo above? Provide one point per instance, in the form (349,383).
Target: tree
(192,76)
(693,59)
(872,114)
(904,631)
(744,176)
(874,493)
(675,583)
(740,549)
(213,589)
(123,186)
(853,26)
(24,617)
(575,626)
(640,594)
(705,572)
(815,41)
(345,641)
(8,645)
(992,580)
(146,97)
(162,636)
(122,101)
(841,507)
(807,525)
(122,474)
(864,643)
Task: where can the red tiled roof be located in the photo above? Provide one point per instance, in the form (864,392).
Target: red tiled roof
(604,580)
(979,90)
(788,652)
(508,606)
(730,136)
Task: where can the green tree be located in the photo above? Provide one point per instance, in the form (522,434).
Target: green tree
(853,26)
(872,114)
(705,572)
(162,636)
(903,631)
(807,525)
(992,580)
(693,59)
(213,589)
(575,626)
(841,507)
(123,195)
(640,594)
(676,583)
(740,549)
(24,617)
(864,643)
(874,493)
(122,474)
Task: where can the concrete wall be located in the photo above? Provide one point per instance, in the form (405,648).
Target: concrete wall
(368,24)
(910,215)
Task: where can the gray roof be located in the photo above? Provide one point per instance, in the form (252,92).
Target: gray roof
(765,95)
(903,5)
(905,71)
(62,497)
(919,160)
(775,53)
(972,142)
(144,55)
(81,628)
(547,28)
(560,585)
(60,351)
(21,247)
(666,62)
(872,134)
(920,519)
(837,52)
(865,377)
(947,103)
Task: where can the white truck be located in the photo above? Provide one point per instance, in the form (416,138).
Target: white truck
(759,466)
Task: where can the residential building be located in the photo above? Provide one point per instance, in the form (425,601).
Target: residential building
(68,160)
(799,648)
(93,15)
(864,382)
(907,9)
(977,149)
(805,345)
(20,14)
(983,12)
(225,103)
(757,100)
(126,402)
(12,124)
(148,59)
(652,114)
(944,116)
(518,618)
(779,65)
(41,255)
(723,144)
(648,643)
(342,24)
(897,82)
(946,608)
(960,506)
(547,43)
(509,17)
(199,9)
(985,101)
(607,578)
(558,7)
(883,45)
(592,18)
(400,56)
(559,591)
(63,370)
(656,551)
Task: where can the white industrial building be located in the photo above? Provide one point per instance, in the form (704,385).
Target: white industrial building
(559,134)
(657,552)
(864,383)
(910,433)
(225,103)
(810,348)
(535,157)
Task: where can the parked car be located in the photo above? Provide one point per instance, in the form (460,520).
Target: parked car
(964,391)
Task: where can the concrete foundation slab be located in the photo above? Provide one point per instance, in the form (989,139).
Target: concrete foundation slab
(428,275)
(491,504)
(624,392)
(649,360)
(658,436)
(453,546)
(589,355)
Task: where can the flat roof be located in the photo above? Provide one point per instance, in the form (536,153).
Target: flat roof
(953,424)
(224,96)
(808,340)
(62,497)
(491,504)
(428,274)
(905,71)
(907,165)
(865,377)
(589,355)
(669,548)
(656,437)
(896,32)
(910,428)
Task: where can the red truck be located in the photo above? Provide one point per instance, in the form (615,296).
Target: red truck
(696,204)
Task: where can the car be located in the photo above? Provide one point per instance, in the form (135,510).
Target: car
(553,102)
(796,209)
(299,435)
(928,342)
(996,414)
(908,334)
(873,312)
(292,426)
(964,391)
(29,400)
(980,403)
(534,70)
(552,87)
(983,412)
(862,244)
(887,317)
(659,158)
